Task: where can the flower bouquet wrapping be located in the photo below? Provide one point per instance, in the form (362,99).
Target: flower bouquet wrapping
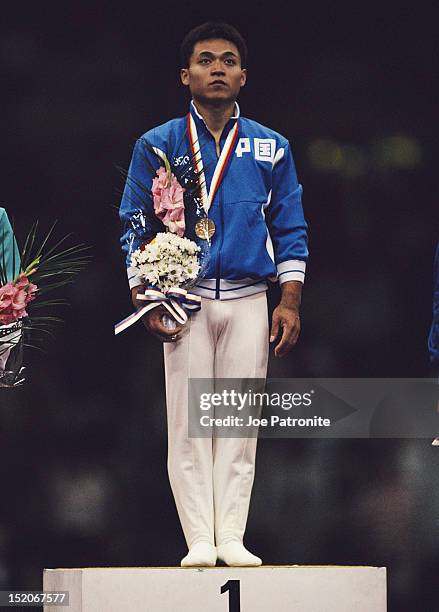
(14,298)
(176,255)
(23,283)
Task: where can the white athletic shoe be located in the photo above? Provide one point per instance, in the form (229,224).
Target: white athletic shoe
(235,554)
(201,554)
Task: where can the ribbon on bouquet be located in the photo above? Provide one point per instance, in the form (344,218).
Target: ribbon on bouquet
(177,301)
(10,336)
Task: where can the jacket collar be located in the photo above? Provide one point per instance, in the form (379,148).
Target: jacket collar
(200,121)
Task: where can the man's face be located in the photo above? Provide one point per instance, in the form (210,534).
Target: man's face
(214,74)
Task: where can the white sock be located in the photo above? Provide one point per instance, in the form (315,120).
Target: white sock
(435,442)
(201,554)
(235,554)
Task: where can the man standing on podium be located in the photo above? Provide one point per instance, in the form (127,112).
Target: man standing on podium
(258,233)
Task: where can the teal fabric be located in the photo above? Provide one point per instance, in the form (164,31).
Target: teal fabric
(9,254)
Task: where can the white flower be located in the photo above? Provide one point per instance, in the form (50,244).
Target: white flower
(168,261)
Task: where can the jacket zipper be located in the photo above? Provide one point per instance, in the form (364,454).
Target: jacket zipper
(218,261)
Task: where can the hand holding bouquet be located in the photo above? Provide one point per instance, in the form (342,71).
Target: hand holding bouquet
(170,263)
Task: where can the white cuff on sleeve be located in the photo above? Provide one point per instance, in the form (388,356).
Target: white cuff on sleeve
(134,279)
(294,269)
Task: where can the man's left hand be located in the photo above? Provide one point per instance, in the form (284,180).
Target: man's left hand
(286,319)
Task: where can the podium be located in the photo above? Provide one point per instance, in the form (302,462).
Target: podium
(220,589)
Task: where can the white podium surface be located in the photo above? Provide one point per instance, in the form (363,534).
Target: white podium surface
(220,589)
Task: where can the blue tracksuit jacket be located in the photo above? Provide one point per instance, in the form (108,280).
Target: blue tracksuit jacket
(260,228)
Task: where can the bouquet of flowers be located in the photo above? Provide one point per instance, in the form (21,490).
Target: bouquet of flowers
(170,263)
(14,298)
(42,269)
(167,261)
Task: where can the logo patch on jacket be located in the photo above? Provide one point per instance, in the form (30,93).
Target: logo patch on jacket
(264,149)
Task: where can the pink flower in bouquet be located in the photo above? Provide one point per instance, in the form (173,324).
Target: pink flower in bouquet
(14,298)
(23,283)
(168,201)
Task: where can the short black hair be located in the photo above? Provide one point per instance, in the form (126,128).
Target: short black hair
(209,31)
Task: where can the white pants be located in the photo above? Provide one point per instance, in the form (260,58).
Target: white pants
(212,478)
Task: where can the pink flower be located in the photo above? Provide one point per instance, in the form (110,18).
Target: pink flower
(6,294)
(14,298)
(168,201)
(161,180)
(31,293)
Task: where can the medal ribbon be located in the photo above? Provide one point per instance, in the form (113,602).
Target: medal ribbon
(229,145)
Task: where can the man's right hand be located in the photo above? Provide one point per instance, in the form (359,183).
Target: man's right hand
(152,320)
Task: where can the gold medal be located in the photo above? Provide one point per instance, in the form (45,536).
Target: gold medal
(205,228)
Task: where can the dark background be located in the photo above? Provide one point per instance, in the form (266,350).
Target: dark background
(83,445)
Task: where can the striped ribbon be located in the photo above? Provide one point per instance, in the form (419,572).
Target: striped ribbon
(177,301)
(221,165)
(7,331)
